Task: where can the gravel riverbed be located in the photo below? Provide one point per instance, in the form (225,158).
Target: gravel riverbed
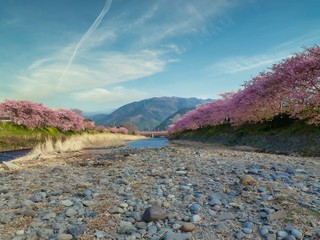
(182,191)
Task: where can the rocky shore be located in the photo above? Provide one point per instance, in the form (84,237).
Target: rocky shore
(183,191)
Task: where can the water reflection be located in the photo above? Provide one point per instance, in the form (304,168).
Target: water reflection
(148,143)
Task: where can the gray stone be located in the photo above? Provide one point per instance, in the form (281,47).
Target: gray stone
(296,233)
(76,230)
(264,231)
(27,203)
(36,197)
(71,212)
(226,216)
(177,236)
(282,234)
(239,235)
(127,229)
(247,230)
(5,219)
(44,233)
(154,213)
(28,212)
(66,203)
(195,208)
(290,237)
(116,210)
(152,230)
(195,218)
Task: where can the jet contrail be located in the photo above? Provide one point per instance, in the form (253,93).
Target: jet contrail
(93,27)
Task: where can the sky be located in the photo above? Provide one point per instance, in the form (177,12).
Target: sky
(101,54)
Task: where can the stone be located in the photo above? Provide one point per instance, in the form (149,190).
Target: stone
(247,230)
(64,236)
(76,230)
(71,212)
(27,203)
(116,210)
(264,231)
(44,233)
(290,237)
(296,233)
(195,208)
(5,219)
(177,236)
(36,198)
(276,215)
(154,213)
(195,218)
(226,216)
(282,234)
(28,212)
(187,227)
(247,180)
(66,203)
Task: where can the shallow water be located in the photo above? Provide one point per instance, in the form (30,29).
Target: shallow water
(10,155)
(148,143)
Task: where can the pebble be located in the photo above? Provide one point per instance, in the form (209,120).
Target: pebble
(187,227)
(177,236)
(195,218)
(64,236)
(198,192)
(296,233)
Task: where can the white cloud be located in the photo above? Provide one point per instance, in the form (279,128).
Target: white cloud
(95,70)
(104,96)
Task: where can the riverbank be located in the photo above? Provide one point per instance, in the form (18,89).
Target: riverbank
(203,191)
(281,135)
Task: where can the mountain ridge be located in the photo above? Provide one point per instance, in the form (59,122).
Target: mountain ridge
(148,113)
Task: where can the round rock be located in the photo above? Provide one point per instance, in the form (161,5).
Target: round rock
(154,213)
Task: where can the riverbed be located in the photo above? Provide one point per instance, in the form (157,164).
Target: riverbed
(202,191)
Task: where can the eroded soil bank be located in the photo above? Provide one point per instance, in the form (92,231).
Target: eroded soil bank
(204,191)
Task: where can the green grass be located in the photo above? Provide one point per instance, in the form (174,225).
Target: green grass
(14,137)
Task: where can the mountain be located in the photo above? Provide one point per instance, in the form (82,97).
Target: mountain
(148,113)
(172,119)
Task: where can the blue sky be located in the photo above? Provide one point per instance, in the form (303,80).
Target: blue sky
(98,55)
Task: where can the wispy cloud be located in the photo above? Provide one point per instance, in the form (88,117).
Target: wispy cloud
(105,96)
(117,51)
(101,69)
(244,63)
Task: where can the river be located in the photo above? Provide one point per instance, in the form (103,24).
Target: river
(145,143)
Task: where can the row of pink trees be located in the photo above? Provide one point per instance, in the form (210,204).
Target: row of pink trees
(290,87)
(121,130)
(36,115)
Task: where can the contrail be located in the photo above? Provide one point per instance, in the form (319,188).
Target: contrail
(93,27)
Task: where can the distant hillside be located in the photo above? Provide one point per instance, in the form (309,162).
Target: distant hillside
(171,119)
(149,113)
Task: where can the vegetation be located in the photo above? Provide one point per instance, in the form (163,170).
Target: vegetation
(13,136)
(291,87)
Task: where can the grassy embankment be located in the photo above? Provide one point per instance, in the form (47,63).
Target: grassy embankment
(280,135)
(14,137)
